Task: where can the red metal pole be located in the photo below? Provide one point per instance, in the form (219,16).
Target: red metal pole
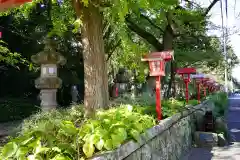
(116,91)
(198,88)
(158,98)
(205,92)
(186,83)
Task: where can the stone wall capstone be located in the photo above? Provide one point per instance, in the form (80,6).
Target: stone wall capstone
(169,140)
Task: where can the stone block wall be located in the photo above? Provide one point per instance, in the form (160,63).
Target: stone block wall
(169,140)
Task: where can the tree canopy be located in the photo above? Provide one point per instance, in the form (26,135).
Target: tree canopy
(119,34)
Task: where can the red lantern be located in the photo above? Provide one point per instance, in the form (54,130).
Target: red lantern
(209,85)
(157,68)
(6,4)
(198,79)
(185,72)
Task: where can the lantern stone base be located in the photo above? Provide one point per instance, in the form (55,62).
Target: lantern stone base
(48,99)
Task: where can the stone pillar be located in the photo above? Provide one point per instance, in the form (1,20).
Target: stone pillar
(48,99)
(48,82)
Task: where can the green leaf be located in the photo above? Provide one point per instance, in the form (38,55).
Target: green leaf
(88,149)
(27,141)
(94,138)
(43,150)
(77,24)
(85,2)
(56,149)
(135,134)
(60,157)
(108,144)
(116,140)
(31,157)
(9,149)
(99,145)
(69,128)
(22,152)
(122,132)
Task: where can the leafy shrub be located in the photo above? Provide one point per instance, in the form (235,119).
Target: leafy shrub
(73,114)
(56,135)
(146,104)
(16,109)
(220,100)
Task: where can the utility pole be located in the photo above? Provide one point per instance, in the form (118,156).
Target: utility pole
(224,42)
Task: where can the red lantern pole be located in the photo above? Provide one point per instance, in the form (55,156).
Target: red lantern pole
(199,96)
(186,81)
(205,91)
(158,98)
(187,98)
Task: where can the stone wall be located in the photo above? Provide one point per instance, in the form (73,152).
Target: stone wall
(169,140)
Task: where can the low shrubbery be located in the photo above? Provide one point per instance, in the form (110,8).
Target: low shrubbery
(220,101)
(146,105)
(54,136)
(66,134)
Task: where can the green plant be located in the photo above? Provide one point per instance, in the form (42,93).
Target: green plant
(54,137)
(220,100)
(146,104)
(193,102)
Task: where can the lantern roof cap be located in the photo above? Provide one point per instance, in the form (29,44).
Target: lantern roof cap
(49,55)
(186,70)
(155,56)
(7,4)
(198,76)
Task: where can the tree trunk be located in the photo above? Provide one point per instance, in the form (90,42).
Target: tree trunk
(95,66)
(168,45)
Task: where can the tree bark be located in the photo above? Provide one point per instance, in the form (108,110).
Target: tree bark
(168,45)
(95,67)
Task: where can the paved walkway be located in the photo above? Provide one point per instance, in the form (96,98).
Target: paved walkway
(233,118)
(8,128)
(231,152)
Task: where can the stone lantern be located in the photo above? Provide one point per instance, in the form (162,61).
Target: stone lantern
(48,82)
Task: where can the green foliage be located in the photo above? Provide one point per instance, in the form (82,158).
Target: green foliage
(16,109)
(10,58)
(73,114)
(220,101)
(146,104)
(66,135)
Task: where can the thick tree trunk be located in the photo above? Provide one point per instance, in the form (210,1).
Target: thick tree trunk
(168,45)
(95,66)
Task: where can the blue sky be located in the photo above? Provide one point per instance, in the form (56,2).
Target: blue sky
(233,23)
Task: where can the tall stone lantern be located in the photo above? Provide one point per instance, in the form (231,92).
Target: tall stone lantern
(48,82)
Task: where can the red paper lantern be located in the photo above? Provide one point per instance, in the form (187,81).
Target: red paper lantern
(7,4)
(157,68)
